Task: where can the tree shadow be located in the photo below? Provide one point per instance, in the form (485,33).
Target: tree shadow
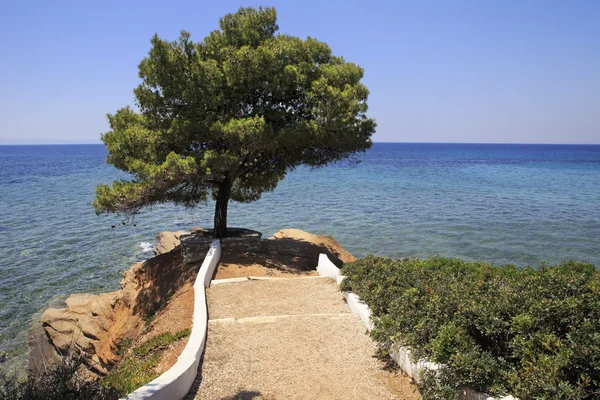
(299,253)
(244,395)
(289,255)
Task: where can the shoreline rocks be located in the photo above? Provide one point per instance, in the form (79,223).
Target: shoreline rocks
(167,241)
(96,324)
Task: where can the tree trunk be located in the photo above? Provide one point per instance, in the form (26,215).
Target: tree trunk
(221,208)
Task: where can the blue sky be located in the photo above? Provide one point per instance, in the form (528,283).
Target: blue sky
(504,71)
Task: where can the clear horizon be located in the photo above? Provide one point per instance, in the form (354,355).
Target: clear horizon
(379,141)
(459,72)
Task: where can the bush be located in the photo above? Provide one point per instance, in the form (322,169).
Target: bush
(60,382)
(530,332)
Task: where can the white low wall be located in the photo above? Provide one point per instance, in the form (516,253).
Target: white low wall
(328,269)
(177,381)
(401,355)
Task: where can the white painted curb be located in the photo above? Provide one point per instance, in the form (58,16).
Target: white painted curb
(175,383)
(400,354)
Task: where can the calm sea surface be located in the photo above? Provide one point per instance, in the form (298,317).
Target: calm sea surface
(519,204)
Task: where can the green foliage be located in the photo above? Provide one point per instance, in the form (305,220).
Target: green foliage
(138,368)
(58,382)
(437,385)
(160,342)
(530,332)
(230,115)
(124,346)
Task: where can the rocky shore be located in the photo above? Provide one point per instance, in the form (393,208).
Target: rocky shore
(96,325)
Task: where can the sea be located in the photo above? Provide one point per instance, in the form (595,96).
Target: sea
(500,203)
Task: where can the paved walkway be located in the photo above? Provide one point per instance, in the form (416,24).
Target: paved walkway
(290,339)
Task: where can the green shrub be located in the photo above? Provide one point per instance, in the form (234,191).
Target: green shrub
(59,382)
(530,332)
(138,367)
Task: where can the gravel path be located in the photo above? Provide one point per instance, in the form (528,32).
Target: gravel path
(290,339)
(275,297)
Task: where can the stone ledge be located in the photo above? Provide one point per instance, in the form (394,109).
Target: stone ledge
(195,245)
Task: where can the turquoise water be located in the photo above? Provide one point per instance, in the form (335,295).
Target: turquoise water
(519,204)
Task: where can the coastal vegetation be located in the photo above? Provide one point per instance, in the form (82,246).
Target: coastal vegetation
(138,367)
(65,380)
(228,116)
(530,332)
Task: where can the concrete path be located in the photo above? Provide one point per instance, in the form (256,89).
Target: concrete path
(290,339)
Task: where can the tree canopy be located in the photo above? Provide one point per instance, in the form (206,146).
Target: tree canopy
(227,117)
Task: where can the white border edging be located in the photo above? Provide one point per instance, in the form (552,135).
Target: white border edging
(400,354)
(175,383)
(328,269)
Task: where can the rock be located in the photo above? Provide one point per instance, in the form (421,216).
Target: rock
(94,325)
(241,240)
(42,353)
(167,241)
(88,325)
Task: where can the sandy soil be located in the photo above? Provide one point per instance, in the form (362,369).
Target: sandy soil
(290,339)
(176,316)
(236,266)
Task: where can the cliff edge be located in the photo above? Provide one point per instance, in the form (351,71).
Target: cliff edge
(96,324)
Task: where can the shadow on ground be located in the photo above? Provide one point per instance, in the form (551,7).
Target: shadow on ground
(159,279)
(245,395)
(285,255)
